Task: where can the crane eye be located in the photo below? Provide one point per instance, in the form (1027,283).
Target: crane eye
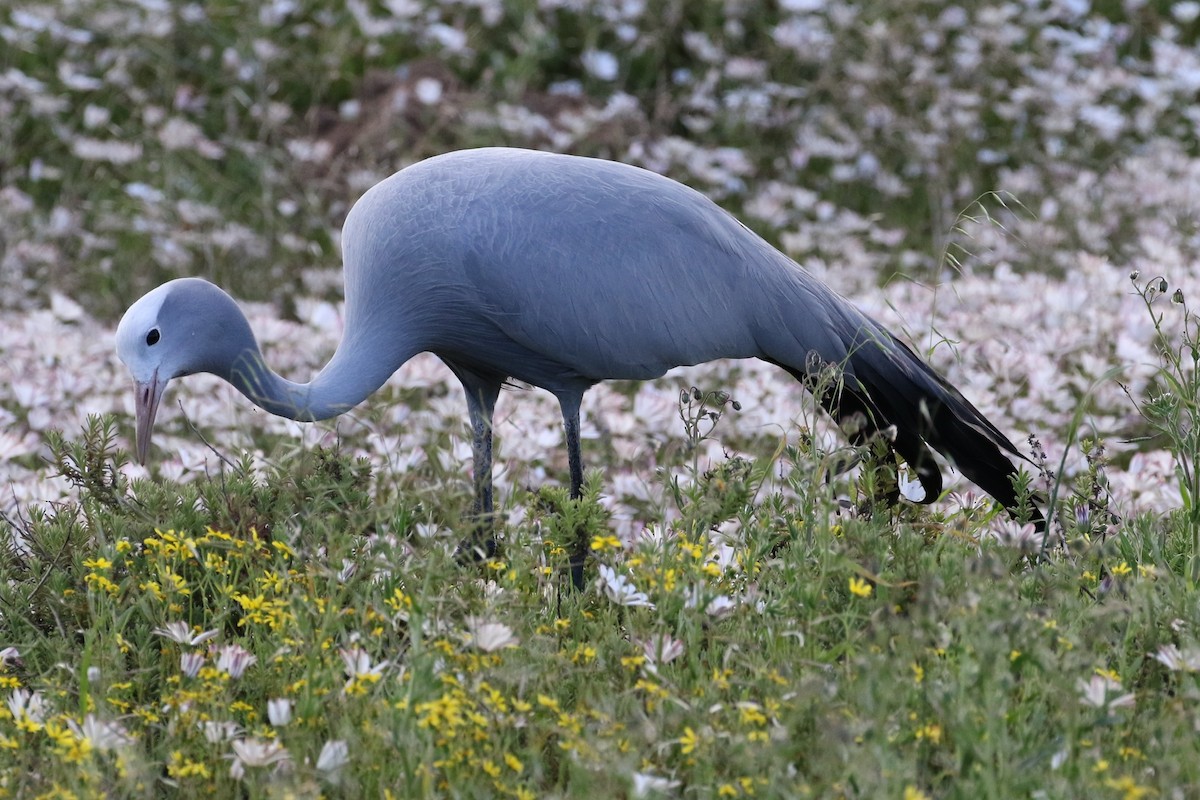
(152,337)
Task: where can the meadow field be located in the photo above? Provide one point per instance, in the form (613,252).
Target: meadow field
(274,609)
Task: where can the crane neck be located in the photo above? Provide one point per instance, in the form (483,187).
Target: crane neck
(340,386)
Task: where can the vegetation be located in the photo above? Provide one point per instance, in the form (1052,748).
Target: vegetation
(286,634)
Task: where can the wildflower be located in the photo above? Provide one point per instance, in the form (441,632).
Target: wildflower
(605,542)
(583,654)
(70,748)
(399,602)
(1128,787)
(179,767)
(1122,569)
(1024,538)
(181,632)
(1096,692)
(860,588)
(632,662)
(689,741)
(620,590)
(190,663)
(233,660)
(930,732)
(334,755)
(1178,660)
(646,785)
(359,670)
(9,656)
(26,705)
(490,636)
(913,793)
(257,753)
(114,152)
(279,711)
(720,606)
(751,713)
(100,734)
(358,662)
(217,732)
(662,649)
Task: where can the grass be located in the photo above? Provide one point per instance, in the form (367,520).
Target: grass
(285,635)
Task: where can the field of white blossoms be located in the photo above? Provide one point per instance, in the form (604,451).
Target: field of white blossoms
(1013,187)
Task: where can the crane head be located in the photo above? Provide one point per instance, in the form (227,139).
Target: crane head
(146,347)
(182,327)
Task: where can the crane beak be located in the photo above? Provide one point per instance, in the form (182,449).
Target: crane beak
(147,395)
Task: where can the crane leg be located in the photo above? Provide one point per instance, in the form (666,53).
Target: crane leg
(481,403)
(570,410)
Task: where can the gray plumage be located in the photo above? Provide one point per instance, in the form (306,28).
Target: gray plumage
(560,272)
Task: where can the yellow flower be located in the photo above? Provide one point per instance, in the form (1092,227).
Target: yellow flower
(101,583)
(1122,569)
(399,601)
(751,714)
(514,763)
(97,563)
(930,732)
(918,672)
(913,793)
(689,741)
(605,542)
(860,588)
(1128,787)
(583,654)
(180,767)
